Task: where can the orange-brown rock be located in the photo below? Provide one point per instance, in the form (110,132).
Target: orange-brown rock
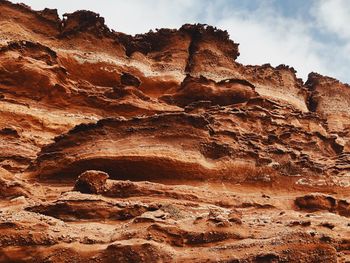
(316,202)
(91,182)
(225,92)
(330,98)
(208,160)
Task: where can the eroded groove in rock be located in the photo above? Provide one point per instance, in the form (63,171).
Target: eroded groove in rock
(141,159)
(226,92)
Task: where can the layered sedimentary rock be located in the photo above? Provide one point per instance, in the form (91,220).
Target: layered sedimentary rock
(162,147)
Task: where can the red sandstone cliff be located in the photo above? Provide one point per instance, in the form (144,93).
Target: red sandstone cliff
(196,157)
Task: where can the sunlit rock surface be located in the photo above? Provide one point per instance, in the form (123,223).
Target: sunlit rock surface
(161,147)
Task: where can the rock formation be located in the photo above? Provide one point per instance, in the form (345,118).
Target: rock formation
(161,147)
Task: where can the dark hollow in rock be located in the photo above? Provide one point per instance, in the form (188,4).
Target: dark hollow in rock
(315,202)
(129,80)
(343,208)
(9,131)
(268,258)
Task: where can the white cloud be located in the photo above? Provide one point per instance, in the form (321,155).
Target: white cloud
(333,16)
(332,19)
(266,38)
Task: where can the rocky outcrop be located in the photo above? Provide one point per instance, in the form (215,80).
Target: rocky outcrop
(85,208)
(132,161)
(330,99)
(161,147)
(84,21)
(91,182)
(213,145)
(225,92)
(278,83)
(317,202)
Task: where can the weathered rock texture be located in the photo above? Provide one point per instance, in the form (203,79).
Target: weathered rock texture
(161,147)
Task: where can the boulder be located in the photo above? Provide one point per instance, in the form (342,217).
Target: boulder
(91,182)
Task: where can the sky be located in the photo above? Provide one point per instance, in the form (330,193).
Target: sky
(310,35)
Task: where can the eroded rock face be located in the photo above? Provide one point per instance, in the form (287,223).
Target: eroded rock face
(161,147)
(84,21)
(330,98)
(225,92)
(317,202)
